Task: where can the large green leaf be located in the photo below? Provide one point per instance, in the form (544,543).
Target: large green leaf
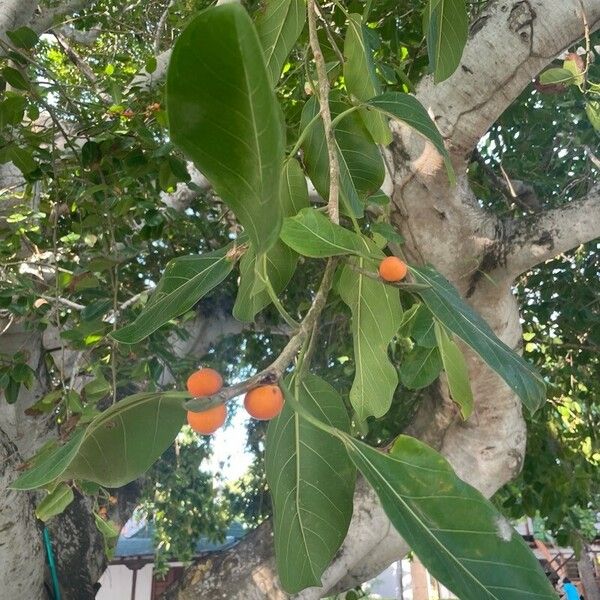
(409,110)
(376,317)
(55,502)
(459,536)
(311,233)
(361,167)
(456,315)
(117,446)
(456,369)
(224,115)
(446,30)
(361,79)
(420,368)
(278,25)
(185,281)
(312,483)
(280,260)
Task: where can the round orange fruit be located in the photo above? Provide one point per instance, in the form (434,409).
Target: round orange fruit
(204,382)
(392,269)
(264,402)
(207,421)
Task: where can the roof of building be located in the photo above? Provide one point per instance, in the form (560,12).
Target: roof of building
(141,543)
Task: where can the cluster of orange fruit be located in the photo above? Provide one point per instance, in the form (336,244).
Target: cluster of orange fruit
(266,401)
(263,402)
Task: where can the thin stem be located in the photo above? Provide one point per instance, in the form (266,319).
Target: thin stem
(276,369)
(334,167)
(276,302)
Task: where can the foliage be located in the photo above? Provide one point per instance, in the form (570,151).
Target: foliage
(93,249)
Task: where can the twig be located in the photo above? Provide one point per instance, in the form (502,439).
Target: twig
(65,301)
(276,369)
(160,25)
(334,167)
(74,57)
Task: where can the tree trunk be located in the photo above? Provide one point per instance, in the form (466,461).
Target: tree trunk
(591,589)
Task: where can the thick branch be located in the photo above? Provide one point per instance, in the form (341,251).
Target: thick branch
(546,235)
(509,44)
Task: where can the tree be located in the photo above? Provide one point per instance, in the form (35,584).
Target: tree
(88,166)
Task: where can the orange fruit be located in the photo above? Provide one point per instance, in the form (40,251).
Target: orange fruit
(207,421)
(264,402)
(204,382)
(392,268)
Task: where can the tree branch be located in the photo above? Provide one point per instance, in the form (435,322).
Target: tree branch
(544,236)
(509,43)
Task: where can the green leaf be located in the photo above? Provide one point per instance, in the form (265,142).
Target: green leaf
(12,109)
(14,78)
(376,317)
(459,536)
(117,446)
(185,281)
(55,502)
(312,484)
(420,368)
(457,371)
(22,159)
(409,110)
(278,26)
(361,167)
(558,76)
(312,234)
(361,79)
(11,391)
(107,528)
(422,330)
(592,110)
(446,304)
(281,260)
(388,232)
(447,28)
(96,389)
(224,115)
(23,37)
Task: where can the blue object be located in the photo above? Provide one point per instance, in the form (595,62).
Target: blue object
(571,591)
(51,564)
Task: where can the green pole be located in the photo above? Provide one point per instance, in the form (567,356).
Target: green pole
(51,564)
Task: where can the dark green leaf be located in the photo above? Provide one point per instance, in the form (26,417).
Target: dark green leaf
(447,27)
(23,37)
(361,79)
(420,368)
(117,446)
(457,371)
(55,502)
(311,233)
(22,159)
(280,260)
(278,25)
(14,78)
(459,536)
(11,391)
(422,328)
(376,317)
(12,109)
(312,484)
(388,232)
(361,167)
(23,373)
(224,115)
(452,311)
(409,110)
(185,281)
